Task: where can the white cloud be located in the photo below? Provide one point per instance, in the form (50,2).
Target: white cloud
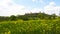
(40,1)
(33,0)
(52,3)
(52,8)
(8,7)
(34,10)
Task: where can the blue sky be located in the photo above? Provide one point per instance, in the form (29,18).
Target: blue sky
(36,3)
(20,7)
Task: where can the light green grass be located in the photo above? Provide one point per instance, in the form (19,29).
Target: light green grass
(30,27)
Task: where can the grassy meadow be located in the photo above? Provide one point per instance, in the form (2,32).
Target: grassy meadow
(32,26)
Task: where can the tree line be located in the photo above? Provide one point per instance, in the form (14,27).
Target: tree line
(31,16)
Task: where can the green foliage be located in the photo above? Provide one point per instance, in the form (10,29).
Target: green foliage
(34,23)
(13,17)
(32,16)
(30,27)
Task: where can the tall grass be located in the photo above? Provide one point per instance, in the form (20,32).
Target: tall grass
(30,27)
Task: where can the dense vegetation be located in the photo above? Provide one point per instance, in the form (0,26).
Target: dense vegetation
(31,16)
(34,23)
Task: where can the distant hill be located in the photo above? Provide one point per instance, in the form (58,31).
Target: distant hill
(29,16)
(35,16)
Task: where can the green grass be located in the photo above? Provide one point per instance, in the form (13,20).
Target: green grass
(30,27)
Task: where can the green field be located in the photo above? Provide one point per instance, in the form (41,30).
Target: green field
(30,27)
(37,23)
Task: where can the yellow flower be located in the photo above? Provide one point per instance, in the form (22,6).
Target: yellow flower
(9,32)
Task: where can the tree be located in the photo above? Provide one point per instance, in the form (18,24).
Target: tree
(13,17)
(54,16)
